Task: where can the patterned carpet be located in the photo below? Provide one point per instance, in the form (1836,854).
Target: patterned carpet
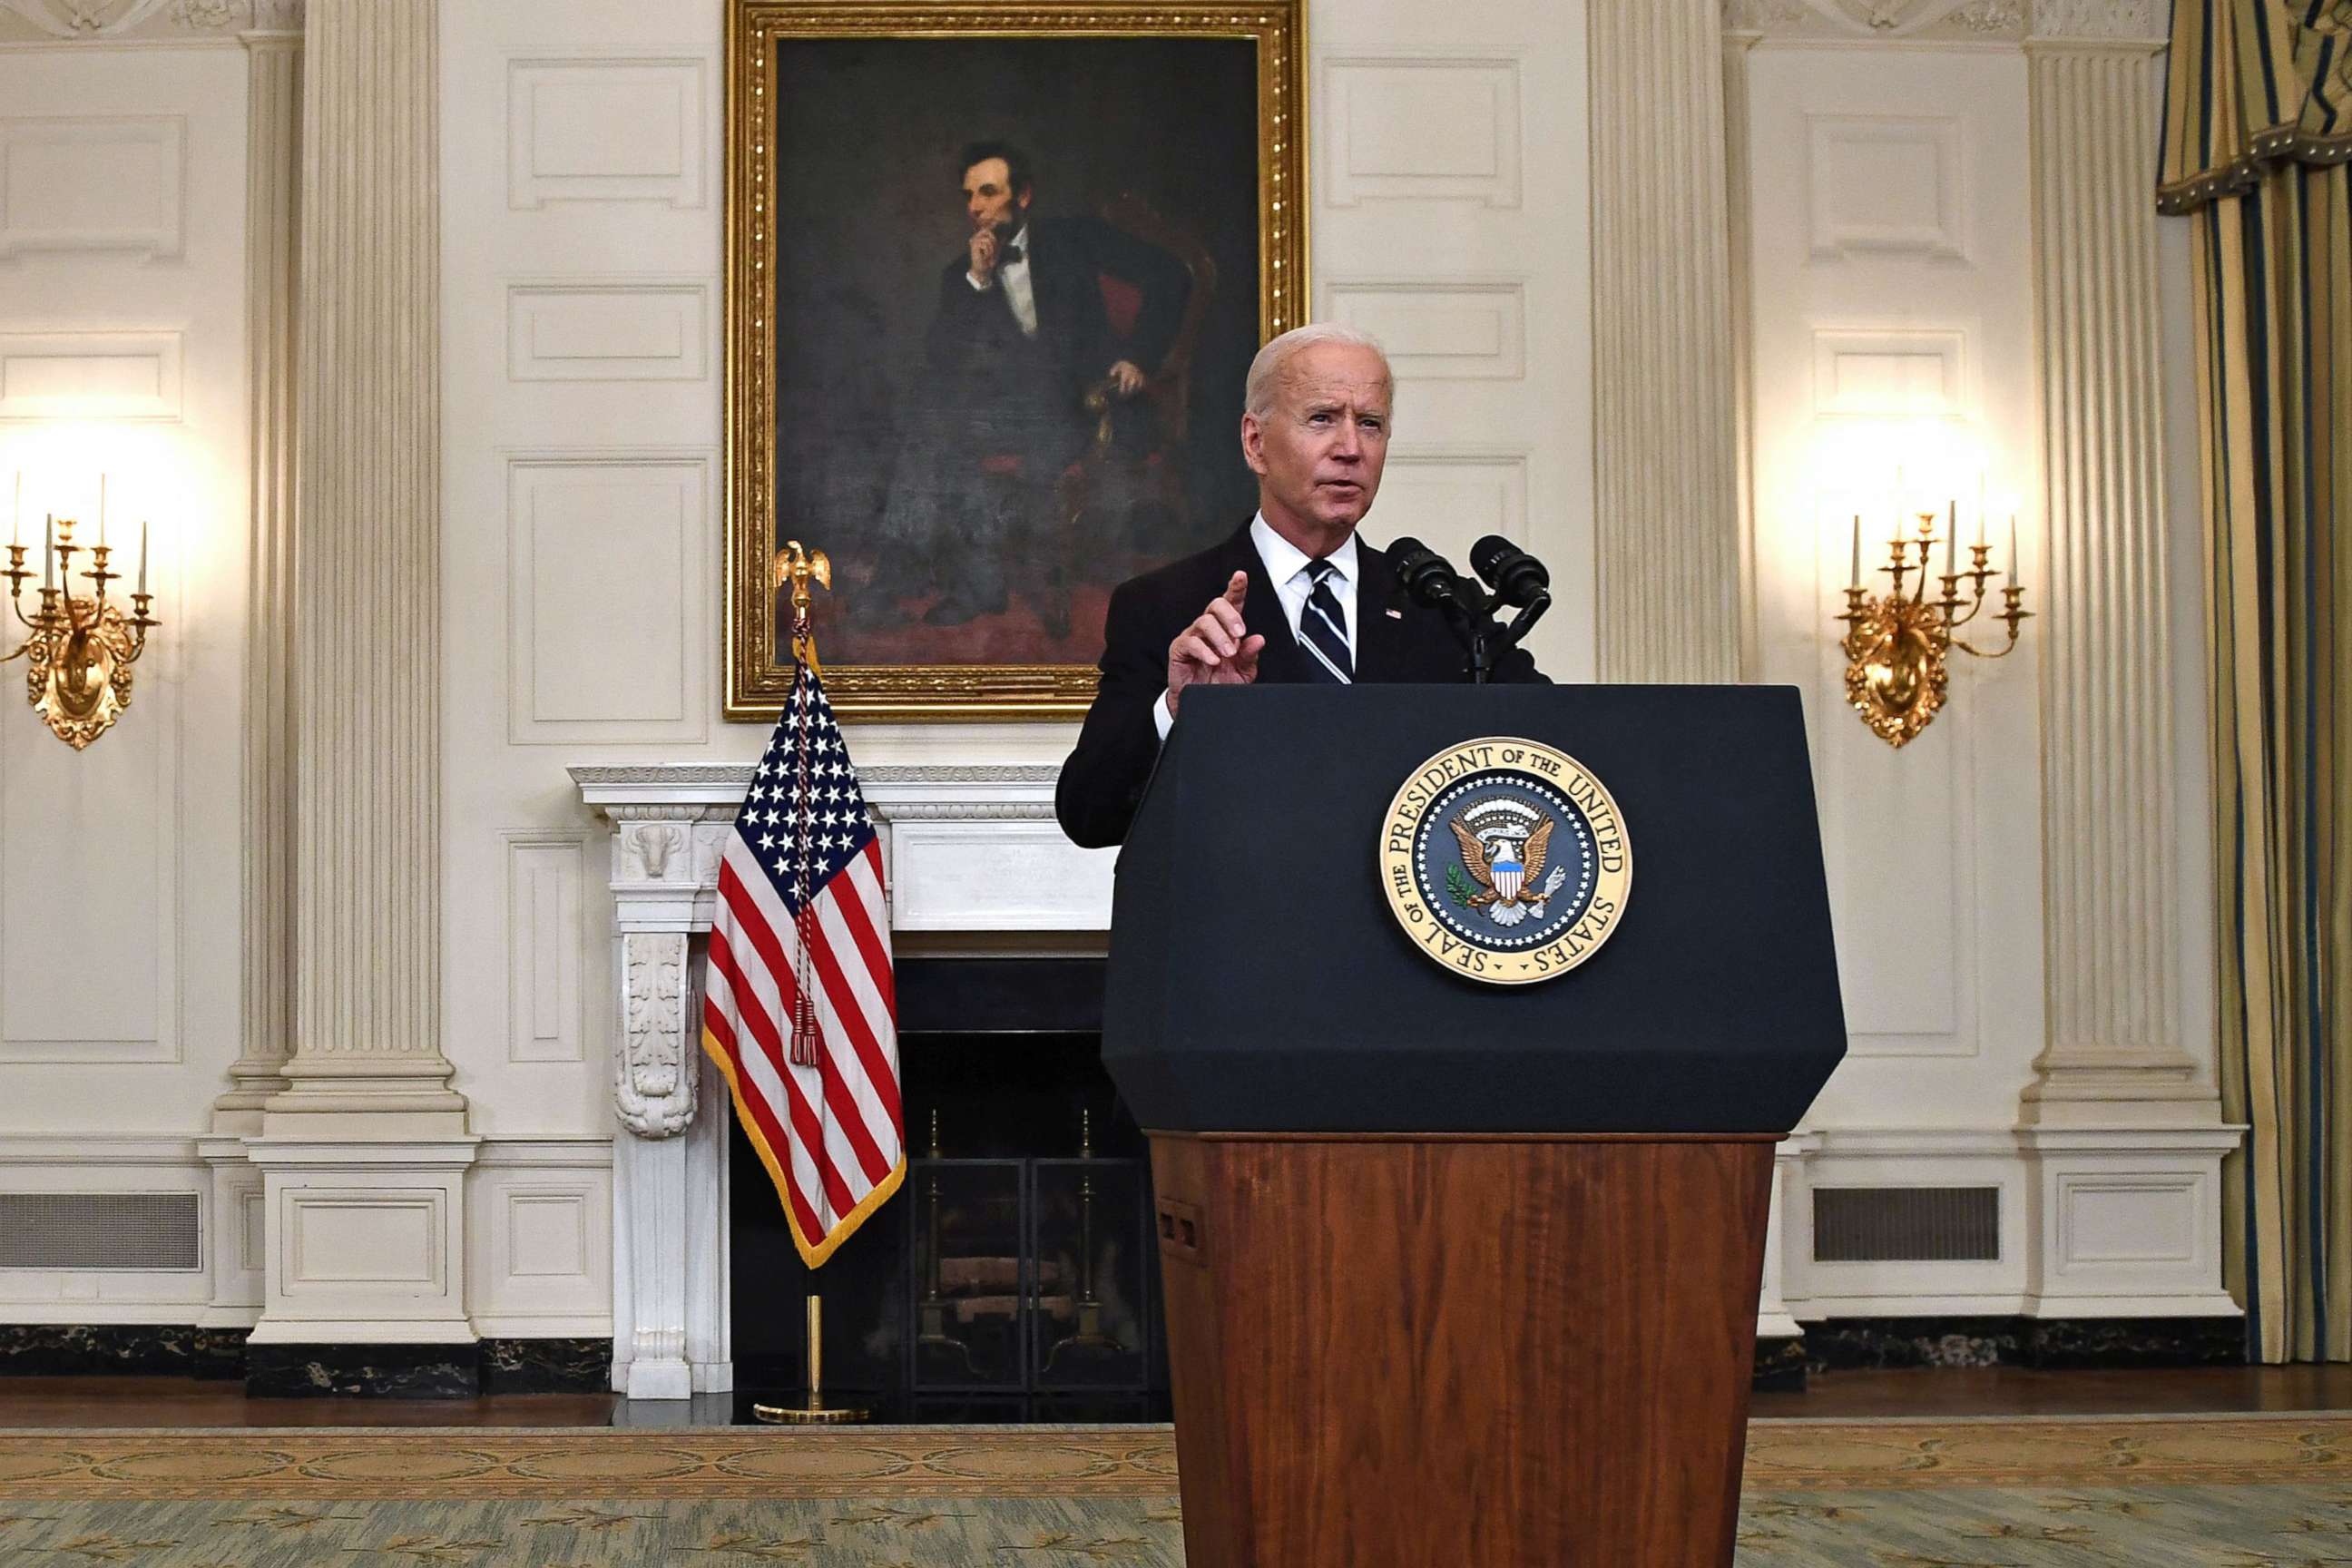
(2242,1492)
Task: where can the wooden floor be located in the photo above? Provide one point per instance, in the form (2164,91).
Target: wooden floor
(1949,1391)
(1941,1391)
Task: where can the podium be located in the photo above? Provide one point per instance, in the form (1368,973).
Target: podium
(1458,1273)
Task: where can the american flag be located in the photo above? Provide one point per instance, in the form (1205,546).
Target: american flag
(799,1009)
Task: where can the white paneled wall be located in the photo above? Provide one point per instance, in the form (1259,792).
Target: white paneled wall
(124,255)
(1892,282)
(1892,279)
(123,350)
(1451,221)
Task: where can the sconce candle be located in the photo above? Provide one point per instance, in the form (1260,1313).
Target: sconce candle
(1853,571)
(142,556)
(78,648)
(1898,644)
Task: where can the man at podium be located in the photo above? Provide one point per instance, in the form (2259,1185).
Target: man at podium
(1293,597)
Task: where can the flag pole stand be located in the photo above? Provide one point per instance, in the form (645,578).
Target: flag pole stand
(815,1412)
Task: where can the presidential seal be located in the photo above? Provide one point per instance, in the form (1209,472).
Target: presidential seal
(1506,860)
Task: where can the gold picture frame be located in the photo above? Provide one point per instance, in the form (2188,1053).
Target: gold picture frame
(759,31)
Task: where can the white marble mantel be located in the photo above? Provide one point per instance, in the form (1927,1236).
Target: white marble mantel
(972,856)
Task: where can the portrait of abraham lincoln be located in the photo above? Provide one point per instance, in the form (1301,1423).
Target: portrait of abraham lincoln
(1017,287)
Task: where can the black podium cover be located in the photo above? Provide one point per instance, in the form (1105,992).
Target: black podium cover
(1259,983)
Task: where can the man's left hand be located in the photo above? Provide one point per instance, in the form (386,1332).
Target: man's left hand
(1125,378)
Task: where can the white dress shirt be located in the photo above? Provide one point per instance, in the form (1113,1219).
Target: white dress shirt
(1013,275)
(1287,569)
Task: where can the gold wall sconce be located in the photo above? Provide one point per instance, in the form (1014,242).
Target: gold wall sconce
(78,648)
(1897,646)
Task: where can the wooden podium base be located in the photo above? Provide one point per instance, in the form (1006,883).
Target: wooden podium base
(1428,1349)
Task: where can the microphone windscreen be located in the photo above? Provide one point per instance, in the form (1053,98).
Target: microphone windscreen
(1489,553)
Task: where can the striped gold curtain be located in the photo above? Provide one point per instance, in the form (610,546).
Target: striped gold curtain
(2258,130)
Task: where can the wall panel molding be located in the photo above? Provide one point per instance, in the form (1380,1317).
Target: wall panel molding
(608,592)
(1888,183)
(124,374)
(1425,128)
(1891,372)
(1449,496)
(1439,329)
(608,330)
(546,956)
(121,840)
(110,183)
(606,129)
(539,1225)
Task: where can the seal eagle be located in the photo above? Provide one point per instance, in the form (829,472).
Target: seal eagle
(1528,888)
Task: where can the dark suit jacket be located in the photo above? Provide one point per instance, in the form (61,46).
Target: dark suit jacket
(975,340)
(1102,783)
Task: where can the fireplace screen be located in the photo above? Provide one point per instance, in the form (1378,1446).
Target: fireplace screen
(1028,1276)
(1013,1276)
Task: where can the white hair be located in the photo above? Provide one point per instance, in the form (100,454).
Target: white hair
(1257,391)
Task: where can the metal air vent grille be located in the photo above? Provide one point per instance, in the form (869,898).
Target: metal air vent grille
(1907,1225)
(144,1231)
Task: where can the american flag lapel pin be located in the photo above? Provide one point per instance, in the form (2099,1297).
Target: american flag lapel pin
(1396,615)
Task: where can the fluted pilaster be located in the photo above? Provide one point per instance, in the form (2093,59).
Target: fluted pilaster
(272,190)
(1667,504)
(366,636)
(2110,915)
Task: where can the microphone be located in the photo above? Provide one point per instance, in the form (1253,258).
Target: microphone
(1427,578)
(1518,578)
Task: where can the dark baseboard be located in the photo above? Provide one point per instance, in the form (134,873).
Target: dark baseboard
(580,1365)
(547,1366)
(415,1372)
(362,1372)
(1848,1345)
(129,1350)
(1779,1365)
(430,1372)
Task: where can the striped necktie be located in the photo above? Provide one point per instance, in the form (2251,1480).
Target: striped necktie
(1323,631)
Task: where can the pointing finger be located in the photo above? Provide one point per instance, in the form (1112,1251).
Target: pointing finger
(1237,590)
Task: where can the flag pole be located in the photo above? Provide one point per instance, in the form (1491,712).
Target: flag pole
(815,1412)
(798,568)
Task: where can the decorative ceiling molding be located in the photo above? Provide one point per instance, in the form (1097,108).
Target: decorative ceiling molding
(1959,19)
(175,21)
(84,18)
(1947,21)
(2133,21)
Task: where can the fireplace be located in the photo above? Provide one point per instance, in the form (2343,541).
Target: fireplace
(1013,1277)
(1038,1300)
